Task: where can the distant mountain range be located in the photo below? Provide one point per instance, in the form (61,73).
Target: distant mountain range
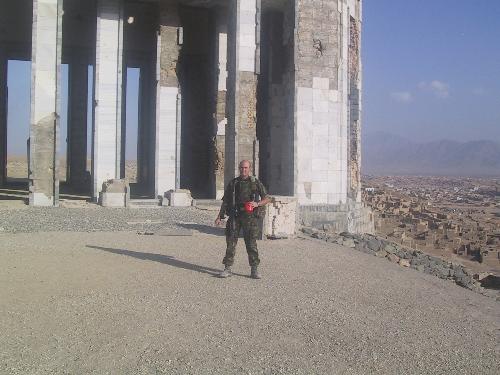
(389,154)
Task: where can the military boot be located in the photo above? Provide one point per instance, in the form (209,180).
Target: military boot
(226,273)
(254,274)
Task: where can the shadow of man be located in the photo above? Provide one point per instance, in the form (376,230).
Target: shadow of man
(207,229)
(160,258)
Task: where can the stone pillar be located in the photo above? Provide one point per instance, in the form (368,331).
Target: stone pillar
(77,124)
(106,160)
(45,101)
(243,67)
(3,116)
(320,126)
(353,31)
(327,97)
(220,119)
(168,104)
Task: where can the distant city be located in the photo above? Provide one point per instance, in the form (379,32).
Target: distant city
(456,218)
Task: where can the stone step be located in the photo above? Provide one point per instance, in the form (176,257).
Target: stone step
(144,203)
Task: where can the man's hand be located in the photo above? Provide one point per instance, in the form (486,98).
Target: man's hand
(218,221)
(263,202)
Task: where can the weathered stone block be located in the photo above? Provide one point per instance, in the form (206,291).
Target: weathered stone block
(179,198)
(390,249)
(115,186)
(281,217)
(115,193)
(373,244)
(113,199)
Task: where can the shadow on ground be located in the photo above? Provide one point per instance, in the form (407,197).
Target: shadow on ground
(207,229)
(165,259)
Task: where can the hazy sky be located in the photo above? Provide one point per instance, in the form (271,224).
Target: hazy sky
(432,68)
(431,71)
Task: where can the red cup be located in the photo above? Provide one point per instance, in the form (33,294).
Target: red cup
(249,207)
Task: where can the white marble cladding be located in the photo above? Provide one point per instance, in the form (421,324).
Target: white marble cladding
(222,63)
(41,200)
(44,59)
(321,145)
(221,127)
(246,35)
(108,93)
(45,65)
(354,8)
(344,84)
(222,66)
(166,140)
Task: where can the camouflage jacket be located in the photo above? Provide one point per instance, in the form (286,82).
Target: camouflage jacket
(244,190)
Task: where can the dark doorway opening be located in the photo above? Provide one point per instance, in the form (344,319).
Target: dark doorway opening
(275,99)
(17,104)
(139,98)
(132,122)
(76,97)
(196,73)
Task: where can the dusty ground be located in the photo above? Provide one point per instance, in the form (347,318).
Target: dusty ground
(75,301)
(123,303)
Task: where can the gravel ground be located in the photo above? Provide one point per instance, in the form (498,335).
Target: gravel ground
(121,303)
(94,218)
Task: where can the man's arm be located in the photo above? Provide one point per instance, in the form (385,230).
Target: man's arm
(221,214)
(264,198)
(264,201)
(223,206)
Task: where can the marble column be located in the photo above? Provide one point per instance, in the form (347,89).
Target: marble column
(321,126)
(45,102)
(168,104)
(354,75)
(243,67)
(106,161)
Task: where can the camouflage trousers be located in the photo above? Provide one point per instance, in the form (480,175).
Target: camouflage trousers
(249,225)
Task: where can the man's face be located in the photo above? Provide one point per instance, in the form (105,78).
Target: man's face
(244,169)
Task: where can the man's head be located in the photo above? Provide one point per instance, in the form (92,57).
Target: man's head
(244,169)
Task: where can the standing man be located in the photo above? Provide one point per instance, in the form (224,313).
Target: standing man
(241,204)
